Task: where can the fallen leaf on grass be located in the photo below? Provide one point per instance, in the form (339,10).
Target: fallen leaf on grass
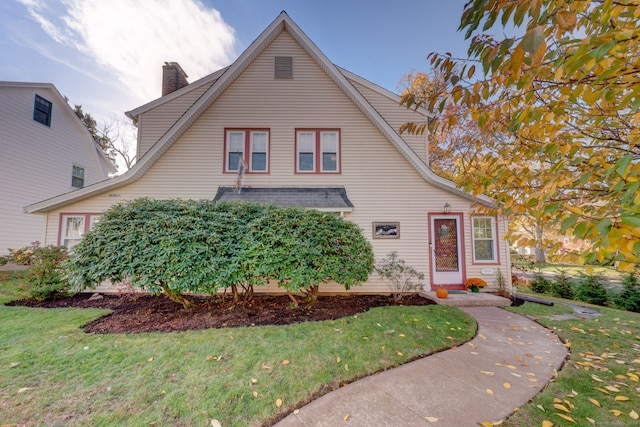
(591,420)
(597,378)
(255,394)
(547,423)
(338,360)
(595,402)
(566,417)
(621,398)
(602,390)
(346,367)
(279,403)
(23,389)
(285,362)
(633,414)
(215,423)
(561,407)
(612,388)
(615,412)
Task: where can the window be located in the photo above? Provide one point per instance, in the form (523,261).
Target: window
(484,239)
(73,227)
(250,146)
(283,67)
(77,177)
(318,151)
(42,111)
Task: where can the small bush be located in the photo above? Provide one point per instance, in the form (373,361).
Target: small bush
(591,289)
(540,284)
(3,261)
(23,255)
(562,287)
(629,298)
(400,277)
(44,277)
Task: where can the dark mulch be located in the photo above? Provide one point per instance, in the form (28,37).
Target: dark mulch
(147,313)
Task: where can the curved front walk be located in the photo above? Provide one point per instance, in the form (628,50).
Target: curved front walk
(509,361)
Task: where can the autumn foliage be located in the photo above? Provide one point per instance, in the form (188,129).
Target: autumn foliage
(556,109)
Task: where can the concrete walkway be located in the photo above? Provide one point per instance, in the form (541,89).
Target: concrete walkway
(510,360)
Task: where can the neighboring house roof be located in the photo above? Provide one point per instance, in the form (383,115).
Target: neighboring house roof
(226,77)
(108,166)
(332,199)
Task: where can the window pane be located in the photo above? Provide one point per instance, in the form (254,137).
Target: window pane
(329,162)
(259,142)
(259,161)
(306,142)
(234,161)
(484,250)
(329,142)
(305,161)
(236,141)
(74,227)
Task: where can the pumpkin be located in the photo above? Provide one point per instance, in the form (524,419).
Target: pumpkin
(442,293)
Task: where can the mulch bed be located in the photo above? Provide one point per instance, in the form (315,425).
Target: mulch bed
(146,313)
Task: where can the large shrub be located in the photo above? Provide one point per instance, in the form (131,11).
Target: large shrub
(591,289)
(540,284)
(177,246)
(629,297)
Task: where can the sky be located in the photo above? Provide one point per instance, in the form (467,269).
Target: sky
(107,55)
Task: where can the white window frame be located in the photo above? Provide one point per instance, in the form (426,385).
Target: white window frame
(493,239)
(299,146)
(248,139)
(319,149)
(74,176)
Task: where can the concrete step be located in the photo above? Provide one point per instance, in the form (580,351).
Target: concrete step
(468,299)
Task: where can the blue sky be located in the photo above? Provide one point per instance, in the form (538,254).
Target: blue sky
(107,55)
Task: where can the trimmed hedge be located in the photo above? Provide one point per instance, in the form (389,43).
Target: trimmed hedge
(177,246)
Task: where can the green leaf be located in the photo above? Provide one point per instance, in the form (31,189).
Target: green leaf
(623,164)
(533,39)
(569,222)
(631,220)
(604,226)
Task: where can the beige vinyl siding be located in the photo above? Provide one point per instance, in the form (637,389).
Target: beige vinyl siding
(397,115)
(379,181)
(157,121)
(36,161)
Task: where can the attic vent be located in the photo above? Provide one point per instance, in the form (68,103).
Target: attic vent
(284,67)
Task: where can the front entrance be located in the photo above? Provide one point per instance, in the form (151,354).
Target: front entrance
(446,249)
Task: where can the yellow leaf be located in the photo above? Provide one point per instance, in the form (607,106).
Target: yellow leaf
(285,362)
(615,412)
(399,353)
(511,367)
(255,394)
(566,417)
(597,378)
(346,417)
(621,398)
(547,423)
(633,414)
(346,367)
(591,420)
(561,407)
(566,20)
(279,403)
(432,419)
(595,402)
(338,360)
(489,391)
(506,385)
(487,373)
(612,388)
(215,423)
(602,390)
(486,424)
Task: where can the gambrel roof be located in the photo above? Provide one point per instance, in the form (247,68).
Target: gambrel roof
(221,80)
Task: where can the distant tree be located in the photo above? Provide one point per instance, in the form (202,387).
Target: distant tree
(114,138)
(565,94)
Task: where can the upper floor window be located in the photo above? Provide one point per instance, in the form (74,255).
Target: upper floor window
(484,239)
(250,146)
(42,111)
(317,151)
(77,177)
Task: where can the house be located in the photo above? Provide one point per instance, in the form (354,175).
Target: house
(45,150)
(284,124)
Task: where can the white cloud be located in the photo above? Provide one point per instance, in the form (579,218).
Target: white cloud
(132,39)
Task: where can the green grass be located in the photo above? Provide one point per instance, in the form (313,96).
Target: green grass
(604,364)
(54,374)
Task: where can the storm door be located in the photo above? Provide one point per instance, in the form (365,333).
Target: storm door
(446,254)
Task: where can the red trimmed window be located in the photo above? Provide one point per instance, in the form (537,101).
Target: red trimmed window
(73,227)
(248,146)
(318,151)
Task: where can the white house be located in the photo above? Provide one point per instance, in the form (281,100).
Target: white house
(45,150)
(305,132)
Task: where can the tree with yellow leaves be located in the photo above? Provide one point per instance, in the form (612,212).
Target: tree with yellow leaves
(558,107)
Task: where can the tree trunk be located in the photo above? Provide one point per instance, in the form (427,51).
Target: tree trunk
(293,298)
(234,291)
(177,297)
(312,293)
(538,250)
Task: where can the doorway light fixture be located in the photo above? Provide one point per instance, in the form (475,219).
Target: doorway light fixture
(446,208)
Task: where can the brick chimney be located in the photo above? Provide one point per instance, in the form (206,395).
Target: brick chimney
(173,77)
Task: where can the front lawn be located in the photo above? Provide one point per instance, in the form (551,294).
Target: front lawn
(54,374)
(600,382)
